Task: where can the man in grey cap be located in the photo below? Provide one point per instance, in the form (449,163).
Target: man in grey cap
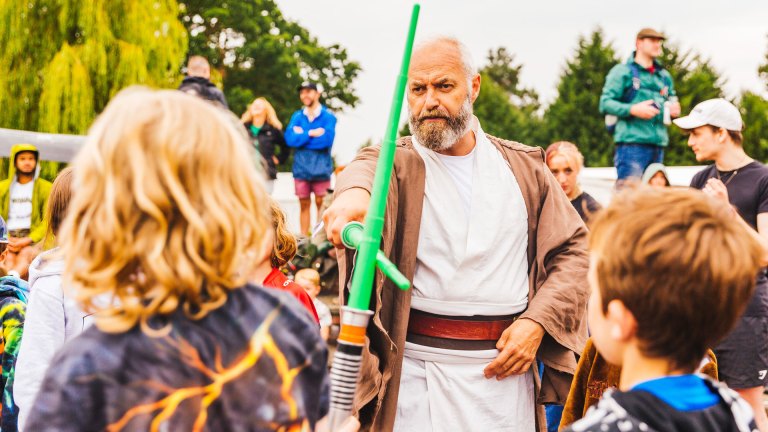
(638,101)
(715,129)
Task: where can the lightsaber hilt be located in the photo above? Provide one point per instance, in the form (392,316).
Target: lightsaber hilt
(347,360)
(355,316)
(352,235)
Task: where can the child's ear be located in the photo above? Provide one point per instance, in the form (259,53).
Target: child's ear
(622,321)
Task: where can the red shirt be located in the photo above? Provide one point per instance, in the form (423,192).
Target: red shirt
(276,279)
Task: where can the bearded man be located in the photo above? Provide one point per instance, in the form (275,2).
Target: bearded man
(497,258)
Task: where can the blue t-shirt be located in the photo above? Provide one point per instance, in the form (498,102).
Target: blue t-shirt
(682,392)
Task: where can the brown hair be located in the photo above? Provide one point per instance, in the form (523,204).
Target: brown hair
(58,202)
(284,247)
(679,263)
(161,221)
(736,136)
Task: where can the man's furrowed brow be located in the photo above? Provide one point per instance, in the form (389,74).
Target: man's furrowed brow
(444,80)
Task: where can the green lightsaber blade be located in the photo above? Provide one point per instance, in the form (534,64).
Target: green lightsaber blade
(365,264)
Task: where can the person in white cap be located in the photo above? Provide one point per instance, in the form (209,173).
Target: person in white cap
(715,128)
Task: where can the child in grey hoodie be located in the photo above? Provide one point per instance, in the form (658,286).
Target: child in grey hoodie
(52,317)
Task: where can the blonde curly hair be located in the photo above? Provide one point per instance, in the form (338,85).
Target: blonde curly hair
(169,213)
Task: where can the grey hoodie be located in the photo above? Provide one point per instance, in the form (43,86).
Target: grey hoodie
(52,319)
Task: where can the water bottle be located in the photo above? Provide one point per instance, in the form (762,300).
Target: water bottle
(667,107)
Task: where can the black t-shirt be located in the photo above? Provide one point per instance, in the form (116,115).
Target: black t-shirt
(261,346)
(747,188)
(586,206)
(748,192)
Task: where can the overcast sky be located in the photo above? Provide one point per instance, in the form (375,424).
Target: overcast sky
(541,34)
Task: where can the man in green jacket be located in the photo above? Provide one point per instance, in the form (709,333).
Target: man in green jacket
(23,196)
(635,97)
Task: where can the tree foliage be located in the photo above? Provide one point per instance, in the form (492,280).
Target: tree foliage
(754,112)
(257,51)
(505,107)
(574,116)
(62,60)
(695,81)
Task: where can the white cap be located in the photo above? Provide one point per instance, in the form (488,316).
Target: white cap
(715,112)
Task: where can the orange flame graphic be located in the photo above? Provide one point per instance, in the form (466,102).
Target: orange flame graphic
(261,342)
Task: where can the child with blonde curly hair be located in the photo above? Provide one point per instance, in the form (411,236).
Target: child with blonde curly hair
(169,219)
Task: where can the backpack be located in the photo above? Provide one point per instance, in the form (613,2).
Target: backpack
(629,95)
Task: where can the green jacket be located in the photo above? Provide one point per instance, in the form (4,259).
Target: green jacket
(657,86)
(40,194)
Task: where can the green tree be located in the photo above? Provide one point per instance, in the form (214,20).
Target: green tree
(754,111)
(62,60)
(763,70)
(497,115)
(503,70)
(574,116)
(695,81)
(257,51)
(504,107)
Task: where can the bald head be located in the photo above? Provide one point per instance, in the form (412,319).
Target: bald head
(443,50)
(198,66)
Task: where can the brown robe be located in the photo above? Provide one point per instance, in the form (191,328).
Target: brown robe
(557,262)
(594,376)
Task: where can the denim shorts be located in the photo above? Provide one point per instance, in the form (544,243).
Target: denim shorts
(632,159)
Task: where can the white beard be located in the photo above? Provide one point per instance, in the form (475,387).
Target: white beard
(441,138)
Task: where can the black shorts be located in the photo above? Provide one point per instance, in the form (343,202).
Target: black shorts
(742,357)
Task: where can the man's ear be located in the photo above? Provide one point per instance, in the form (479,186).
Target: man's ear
(622,321)
(475,87)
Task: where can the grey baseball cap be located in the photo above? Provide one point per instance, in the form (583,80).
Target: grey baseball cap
(714,112)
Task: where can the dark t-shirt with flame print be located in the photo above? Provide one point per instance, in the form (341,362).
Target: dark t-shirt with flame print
(255,364)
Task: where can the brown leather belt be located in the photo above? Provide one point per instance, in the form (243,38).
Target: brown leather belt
(457,332)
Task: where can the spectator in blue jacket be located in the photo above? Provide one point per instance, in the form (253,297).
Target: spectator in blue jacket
(311,132)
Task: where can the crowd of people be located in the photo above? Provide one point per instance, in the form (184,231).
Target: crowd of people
(145,288)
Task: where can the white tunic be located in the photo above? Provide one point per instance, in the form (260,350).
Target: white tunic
(471,260)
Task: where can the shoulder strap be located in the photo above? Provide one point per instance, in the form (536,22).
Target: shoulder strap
(631,91)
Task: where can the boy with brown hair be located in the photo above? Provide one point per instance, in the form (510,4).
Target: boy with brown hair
(656,307)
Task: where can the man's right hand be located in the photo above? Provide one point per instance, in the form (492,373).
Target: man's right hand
(351,205)
(644,110)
